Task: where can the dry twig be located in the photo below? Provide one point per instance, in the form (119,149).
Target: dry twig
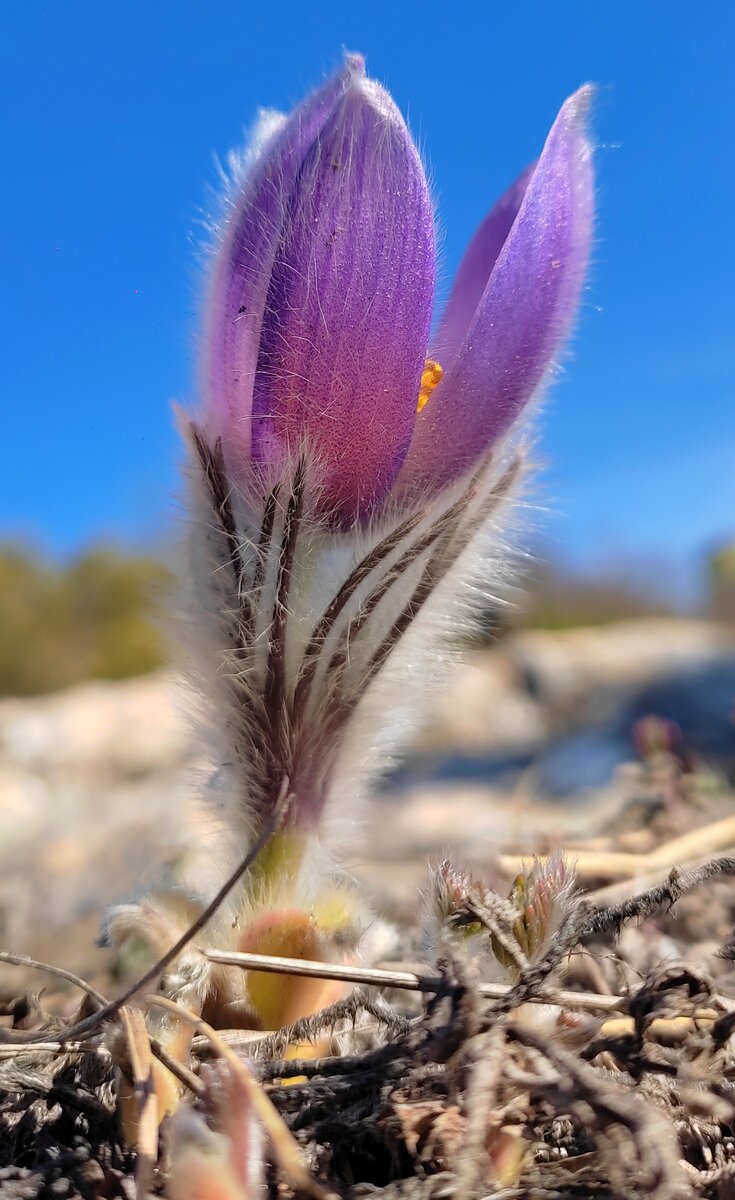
(287,1151)
(406,980)
(612,865)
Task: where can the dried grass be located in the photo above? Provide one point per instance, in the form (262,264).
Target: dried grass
(466,1089)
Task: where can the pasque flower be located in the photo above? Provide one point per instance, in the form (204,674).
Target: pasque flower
(504,937)
(349,472)
(323,289)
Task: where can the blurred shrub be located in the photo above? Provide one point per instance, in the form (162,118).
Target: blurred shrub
(560,599)
(90,619)
(721,580)
(553,596)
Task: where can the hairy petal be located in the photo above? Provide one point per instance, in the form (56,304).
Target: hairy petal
(349,307)
(525,311)
(262,187)
(475,270)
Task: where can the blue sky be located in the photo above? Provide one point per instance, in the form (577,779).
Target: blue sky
(110,115)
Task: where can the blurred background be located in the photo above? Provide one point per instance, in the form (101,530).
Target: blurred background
(112,120)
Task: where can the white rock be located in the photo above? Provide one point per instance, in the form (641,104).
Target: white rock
(132,727)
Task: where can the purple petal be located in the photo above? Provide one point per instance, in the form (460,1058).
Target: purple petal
(475,269)
(526,309)
(349,307)
(244,261)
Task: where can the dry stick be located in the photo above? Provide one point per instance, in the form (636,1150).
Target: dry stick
(22,960)
(178,1069)
(677,883)
(587,1094)
(147,1104)
(59,1049)
(406,980)
(614,864)
(306,1029)
(661,1026)
(288,1153)
(111,1009)
(182,1073)
(626,889)
(708,1178)
(52,1048)
(480,1100)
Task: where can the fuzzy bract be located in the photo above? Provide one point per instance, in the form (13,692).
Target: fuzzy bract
(349,474)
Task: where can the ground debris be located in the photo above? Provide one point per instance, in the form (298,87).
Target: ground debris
(451,1094)
(467,1099)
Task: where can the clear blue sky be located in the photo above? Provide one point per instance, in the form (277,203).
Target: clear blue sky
(110,115)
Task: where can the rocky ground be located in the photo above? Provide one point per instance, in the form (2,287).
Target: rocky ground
(624,1086)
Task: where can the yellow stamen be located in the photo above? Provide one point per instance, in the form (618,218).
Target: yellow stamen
(431,376)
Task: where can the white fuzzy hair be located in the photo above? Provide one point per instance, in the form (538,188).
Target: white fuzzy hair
(318,648)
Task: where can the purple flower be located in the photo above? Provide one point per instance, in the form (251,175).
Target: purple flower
(512,304)
(348,477)
(317,336)
(323,293)
(348,465)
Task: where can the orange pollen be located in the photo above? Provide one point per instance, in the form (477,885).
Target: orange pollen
(430,377)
